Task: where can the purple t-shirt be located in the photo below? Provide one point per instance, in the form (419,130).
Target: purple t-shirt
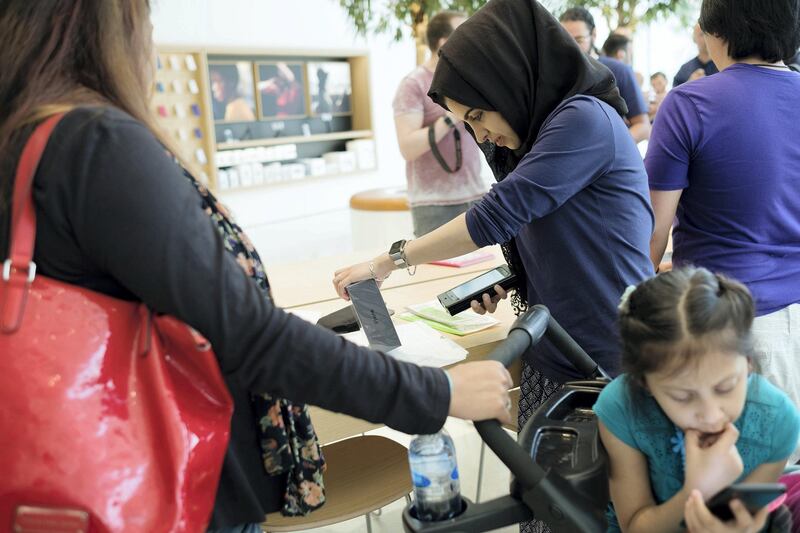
(730,142)
(428,182)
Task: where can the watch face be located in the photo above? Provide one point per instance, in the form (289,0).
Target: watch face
(396,247)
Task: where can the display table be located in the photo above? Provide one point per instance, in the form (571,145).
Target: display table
(309,282)
(330,426)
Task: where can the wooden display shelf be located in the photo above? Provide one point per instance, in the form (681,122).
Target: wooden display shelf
(296,139)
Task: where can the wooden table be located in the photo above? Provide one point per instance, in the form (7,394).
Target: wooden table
(310,282)
(335,426)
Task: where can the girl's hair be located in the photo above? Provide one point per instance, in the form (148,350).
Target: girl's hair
(679,316)
(56,55)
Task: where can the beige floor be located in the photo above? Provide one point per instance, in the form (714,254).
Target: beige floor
(467,443)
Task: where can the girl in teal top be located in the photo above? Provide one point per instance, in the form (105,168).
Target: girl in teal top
(688,417)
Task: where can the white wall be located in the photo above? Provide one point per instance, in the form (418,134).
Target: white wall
(274,215)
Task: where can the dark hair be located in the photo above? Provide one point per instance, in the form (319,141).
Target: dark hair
(615,43)
(679,316)
(768,29)
(657,74)
(440,26)
(578,14)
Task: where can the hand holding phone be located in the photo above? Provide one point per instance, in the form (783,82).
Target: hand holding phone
(489,303)
(459,298)
(754,496)
(744,509)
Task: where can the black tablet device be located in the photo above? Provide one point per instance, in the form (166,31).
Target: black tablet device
(458,298)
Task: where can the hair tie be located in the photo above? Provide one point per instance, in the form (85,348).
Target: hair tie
(624,301)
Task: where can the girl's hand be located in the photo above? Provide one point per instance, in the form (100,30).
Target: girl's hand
(713,467)
(361,271)
(489,303)
(699,518)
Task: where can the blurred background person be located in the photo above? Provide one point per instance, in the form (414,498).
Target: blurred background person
(699,66)
(443,168)
(579,23)
(658,90)
(618,47)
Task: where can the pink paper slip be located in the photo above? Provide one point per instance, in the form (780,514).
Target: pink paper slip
(472,258)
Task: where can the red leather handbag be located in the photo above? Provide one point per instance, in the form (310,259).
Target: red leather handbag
(111,419)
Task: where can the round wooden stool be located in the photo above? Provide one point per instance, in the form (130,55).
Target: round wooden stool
(379,217)
(383,199)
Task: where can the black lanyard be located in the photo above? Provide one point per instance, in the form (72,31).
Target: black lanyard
(435,149)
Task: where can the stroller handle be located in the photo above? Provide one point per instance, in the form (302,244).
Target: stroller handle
(526,332)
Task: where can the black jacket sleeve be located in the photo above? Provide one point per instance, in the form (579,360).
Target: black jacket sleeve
(110,188)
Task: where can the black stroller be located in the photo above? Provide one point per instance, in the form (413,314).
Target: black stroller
(559,466)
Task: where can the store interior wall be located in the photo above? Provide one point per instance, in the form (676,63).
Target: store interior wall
(311,218)
(306,219)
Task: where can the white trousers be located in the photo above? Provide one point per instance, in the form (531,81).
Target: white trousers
(777,343)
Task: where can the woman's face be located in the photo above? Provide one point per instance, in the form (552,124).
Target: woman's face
(707,394)
(487,125)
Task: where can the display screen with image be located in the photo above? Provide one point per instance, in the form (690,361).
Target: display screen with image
(232,89)
(281,90)
(330,87)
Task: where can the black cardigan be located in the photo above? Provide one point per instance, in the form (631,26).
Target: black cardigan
(116,215)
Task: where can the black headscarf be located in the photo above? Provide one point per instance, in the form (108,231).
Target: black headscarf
(513,57)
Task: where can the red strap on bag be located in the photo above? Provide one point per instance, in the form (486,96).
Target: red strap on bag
(111,418)
(19,270)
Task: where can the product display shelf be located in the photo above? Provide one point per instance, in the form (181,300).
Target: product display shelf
(297,139)
(181,104)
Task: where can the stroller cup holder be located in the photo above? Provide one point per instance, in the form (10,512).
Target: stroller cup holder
(559,467)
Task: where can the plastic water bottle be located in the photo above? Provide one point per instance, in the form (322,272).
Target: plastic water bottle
(434,473)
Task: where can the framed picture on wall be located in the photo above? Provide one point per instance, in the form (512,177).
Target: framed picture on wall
(281,90)
(330,88)
(232,91)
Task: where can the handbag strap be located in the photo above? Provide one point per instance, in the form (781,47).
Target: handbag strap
(19,270)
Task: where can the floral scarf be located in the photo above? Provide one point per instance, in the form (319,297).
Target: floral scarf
(289,445)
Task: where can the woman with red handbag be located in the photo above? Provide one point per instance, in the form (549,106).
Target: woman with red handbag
(117,222)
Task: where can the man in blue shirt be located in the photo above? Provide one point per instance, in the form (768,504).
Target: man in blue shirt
(579,23)
(698,67)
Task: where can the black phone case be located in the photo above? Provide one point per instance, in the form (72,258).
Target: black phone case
(463,305)
(753,495)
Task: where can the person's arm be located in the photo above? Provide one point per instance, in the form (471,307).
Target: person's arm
(639,127)
(140,221)
(559,165)
(665,205)
(676,134)
(631,493)
(412,137)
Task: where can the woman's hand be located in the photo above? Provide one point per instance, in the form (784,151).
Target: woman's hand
(381,265)
(489,303)
(480,391)
(699,518)
(712,467)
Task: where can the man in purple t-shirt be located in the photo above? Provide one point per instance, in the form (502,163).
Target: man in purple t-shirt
(724,158)
(442,183)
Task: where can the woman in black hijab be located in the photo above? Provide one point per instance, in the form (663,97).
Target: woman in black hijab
(571,205)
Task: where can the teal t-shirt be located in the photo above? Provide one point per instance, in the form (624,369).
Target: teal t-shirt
(769,429)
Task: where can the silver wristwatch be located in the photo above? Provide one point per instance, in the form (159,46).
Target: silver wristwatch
(397,254)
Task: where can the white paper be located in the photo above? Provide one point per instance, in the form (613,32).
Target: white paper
(466,321)
(421,345)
